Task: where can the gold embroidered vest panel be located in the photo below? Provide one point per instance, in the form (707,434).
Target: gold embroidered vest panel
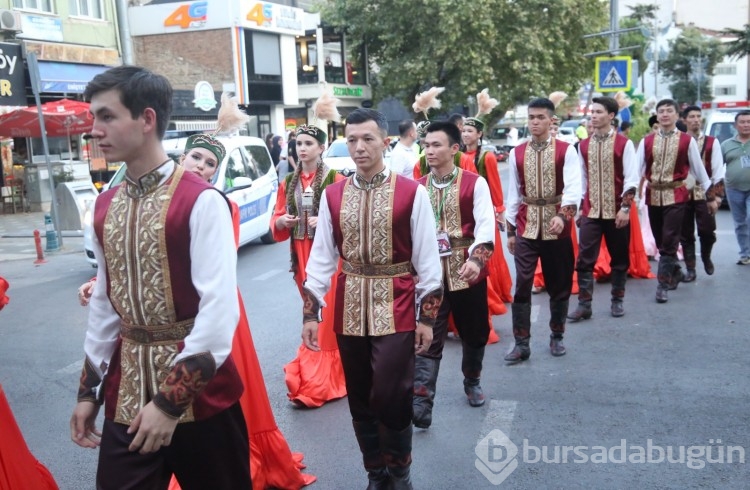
(540,181)
(601,178)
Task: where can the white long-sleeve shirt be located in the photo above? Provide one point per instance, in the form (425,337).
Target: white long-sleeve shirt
(718,169)
(572,189)
(213,268)
(425,258)
(697,169)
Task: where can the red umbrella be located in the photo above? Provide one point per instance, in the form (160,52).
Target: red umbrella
(61,118)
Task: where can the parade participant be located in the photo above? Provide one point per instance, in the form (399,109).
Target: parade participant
(737,158)
(698,210)
(312,377)
(383,228)
(610,178)
(423,102)
(543,196)
(403,156)
(162,336)
(667,159)
(463,212)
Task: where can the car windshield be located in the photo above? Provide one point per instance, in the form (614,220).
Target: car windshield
(723,130)
(338,149)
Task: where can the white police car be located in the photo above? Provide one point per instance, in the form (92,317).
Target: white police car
(246,176)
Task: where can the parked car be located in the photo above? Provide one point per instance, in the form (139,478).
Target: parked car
(337,157)
(246,176)
(721,125)
(567,134)
(499,134)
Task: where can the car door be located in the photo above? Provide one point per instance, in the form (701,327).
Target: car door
(265,186)
(237,185)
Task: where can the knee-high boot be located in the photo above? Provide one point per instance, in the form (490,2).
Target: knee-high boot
(688,252)
(558,311)
(368,438)
(706,246)
(396,445)
(585,293)
(425,381)
(618,292)
(521,313)
(664,277)
(471,365)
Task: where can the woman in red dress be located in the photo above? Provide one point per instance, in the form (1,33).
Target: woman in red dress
(313,377)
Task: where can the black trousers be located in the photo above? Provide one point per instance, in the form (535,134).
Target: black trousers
(379,374)
(557,267)
(211,453)
(470,314)
(696,212)
(666,225)
(589,244)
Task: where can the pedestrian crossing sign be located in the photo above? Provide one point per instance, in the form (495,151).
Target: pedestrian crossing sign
(613,74)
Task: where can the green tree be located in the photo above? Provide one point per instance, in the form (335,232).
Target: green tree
(516,48)
(686,52)
(740,46)
(641,15)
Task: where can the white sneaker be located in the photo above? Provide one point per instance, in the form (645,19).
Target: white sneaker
(744,261)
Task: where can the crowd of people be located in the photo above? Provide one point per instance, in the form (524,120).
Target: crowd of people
(386,262)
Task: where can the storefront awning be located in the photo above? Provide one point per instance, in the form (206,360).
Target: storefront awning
(66,78)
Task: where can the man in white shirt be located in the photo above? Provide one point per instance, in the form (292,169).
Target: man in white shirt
(403,156)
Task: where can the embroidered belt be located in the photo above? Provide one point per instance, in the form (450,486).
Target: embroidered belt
(157,334)
(668,185)
(464,242)
(377,270)
(542,202)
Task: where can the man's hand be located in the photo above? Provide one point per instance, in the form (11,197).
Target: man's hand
(83,425)
(422,338)
(85,292)
(622,219)
(153,430)
(512,245)
(312,221)
(500,217)
(556,225)
(469,271)
(713,206)
(286,221)
(310,335)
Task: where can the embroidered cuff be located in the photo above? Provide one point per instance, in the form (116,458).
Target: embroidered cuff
(429,306)
(481,254)
(185,382)
(715,191)
(627,198)
(567,212)
(88,385)
(310,307)
(511,230)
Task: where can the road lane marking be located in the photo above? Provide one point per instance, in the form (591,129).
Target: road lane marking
(73,367)
(267,275)
(535,313)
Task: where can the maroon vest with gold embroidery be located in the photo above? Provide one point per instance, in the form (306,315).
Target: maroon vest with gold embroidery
(173,240)
(372,231)
(667,168)
(604,178)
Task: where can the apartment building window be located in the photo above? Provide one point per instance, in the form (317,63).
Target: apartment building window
(87,8)
(42,5)
(725,70)
(725,90)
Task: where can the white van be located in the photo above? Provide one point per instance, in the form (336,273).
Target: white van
(246,176)
(721,125)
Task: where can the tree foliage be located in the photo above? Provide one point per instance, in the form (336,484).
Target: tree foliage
(684,52)
(516,48)
(740,46)
(641,15)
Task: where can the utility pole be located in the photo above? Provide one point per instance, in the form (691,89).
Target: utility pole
(614,26)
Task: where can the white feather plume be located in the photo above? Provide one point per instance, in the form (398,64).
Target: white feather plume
(557,97)
(230,116)
(427,100)
(485,103)
(325,107)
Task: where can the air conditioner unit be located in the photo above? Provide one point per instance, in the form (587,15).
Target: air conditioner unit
(10,20)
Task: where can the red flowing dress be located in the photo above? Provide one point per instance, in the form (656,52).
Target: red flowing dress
(272,463)
(312,378)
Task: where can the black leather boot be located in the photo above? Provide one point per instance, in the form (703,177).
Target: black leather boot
(471,366)
(521,313)
(706,247)
(557,310)
(664,276)
(585,292)
(618,292)
(368,438)
(425,380)
(397,451)
(688,252)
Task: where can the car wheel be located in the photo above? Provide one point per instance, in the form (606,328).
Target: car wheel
(267,238)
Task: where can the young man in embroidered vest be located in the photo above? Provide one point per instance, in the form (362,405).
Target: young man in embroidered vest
(382,226)
(463,212)
(159,333)
(667,159)
(544,191)
(698,210)
(610,178)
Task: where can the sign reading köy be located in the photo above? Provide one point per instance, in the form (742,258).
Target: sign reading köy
(12,90)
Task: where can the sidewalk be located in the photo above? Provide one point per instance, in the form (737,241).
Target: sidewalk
(17,237)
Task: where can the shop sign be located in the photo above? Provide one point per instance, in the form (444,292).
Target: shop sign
(205,99)
(41,27)
(347,91)
(12,89)
(272,17)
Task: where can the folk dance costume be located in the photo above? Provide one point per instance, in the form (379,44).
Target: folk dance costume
(312,378)
(149,341)
(463,213)
(696,210)
(667,160)
(610,179)
(384,230)
(545,181)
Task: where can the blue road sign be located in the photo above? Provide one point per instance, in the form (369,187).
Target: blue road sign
(613,74)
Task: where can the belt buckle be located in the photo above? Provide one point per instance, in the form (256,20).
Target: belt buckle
(368,269)
(541,202)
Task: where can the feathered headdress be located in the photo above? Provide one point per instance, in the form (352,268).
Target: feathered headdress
(557,97)
(623,101)
(424,101)
(324,109)
(485,104)
(230,118)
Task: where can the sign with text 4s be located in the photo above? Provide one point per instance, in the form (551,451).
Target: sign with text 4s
(613,74)
(188,15)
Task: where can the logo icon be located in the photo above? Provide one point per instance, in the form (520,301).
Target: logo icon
(496,457)
(205,99)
